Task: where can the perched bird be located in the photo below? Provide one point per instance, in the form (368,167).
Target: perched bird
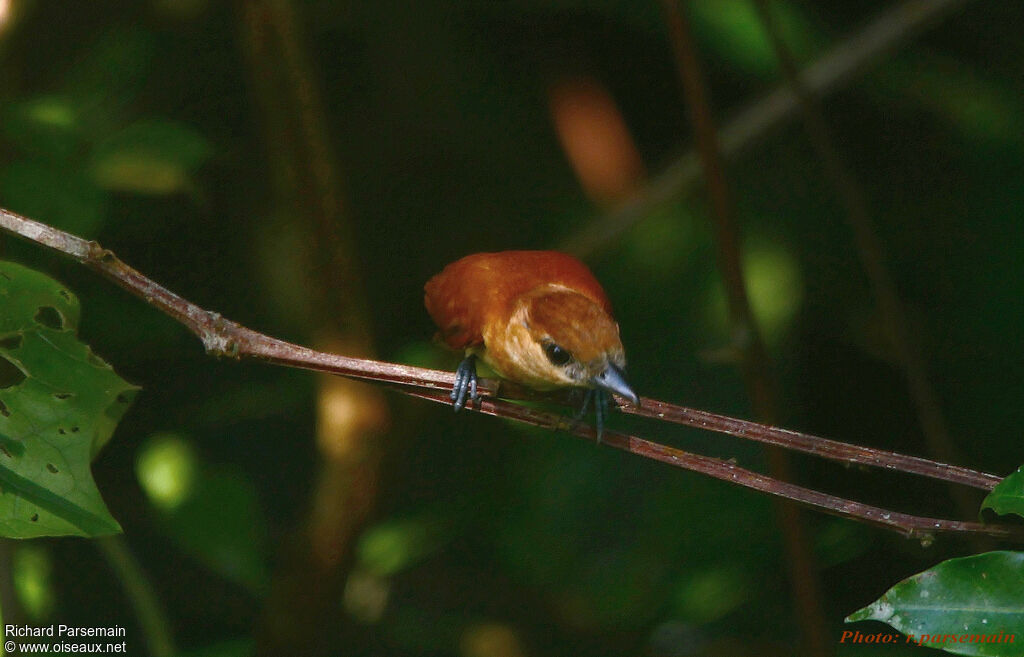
(539,318)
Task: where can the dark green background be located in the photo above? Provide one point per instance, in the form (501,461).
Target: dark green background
(437,113)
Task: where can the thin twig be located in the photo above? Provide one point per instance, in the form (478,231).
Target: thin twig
(891,29)
(909,525)
(222,337)
(826,448)
(829,449)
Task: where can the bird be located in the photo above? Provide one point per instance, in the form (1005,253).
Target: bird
(538,318)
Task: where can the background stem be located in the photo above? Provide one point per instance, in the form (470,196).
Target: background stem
(156,628)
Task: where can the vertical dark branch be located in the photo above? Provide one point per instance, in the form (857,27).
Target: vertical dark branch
(706,136)
(745,332)
(320,175)
(305,596)
(872,256)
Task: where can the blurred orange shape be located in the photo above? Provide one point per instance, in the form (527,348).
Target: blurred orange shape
(596,140)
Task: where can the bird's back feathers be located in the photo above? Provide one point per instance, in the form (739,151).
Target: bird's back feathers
(482,288)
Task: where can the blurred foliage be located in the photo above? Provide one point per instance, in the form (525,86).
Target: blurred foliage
(32,576)
(774,286)
(166,469)
(211,511)
(134,124)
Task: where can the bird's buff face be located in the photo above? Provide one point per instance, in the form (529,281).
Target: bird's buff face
(555,338)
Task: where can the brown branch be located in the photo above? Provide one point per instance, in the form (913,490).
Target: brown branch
(829,449)
(892,28)
(317,558)
(222,337)
(909,525)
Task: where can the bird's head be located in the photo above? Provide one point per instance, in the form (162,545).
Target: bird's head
(564,338)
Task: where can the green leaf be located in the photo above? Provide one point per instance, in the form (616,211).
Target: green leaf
(59,404)
(1008,495)
(150,157)
(967,606)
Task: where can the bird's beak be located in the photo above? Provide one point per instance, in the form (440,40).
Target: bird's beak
(612,379)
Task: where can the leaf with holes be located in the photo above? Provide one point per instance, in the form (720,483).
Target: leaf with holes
(967,606)
(59,404)
(1008,495)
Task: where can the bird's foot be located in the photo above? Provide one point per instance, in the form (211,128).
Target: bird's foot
(465,383)
(600,398)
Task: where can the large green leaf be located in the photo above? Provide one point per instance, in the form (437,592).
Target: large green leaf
(59,404)
(968,606)
(1008,495)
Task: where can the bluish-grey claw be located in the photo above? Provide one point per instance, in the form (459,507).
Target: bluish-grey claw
(600,399)
(465,383)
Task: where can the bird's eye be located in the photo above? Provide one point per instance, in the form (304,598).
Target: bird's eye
(557,355)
